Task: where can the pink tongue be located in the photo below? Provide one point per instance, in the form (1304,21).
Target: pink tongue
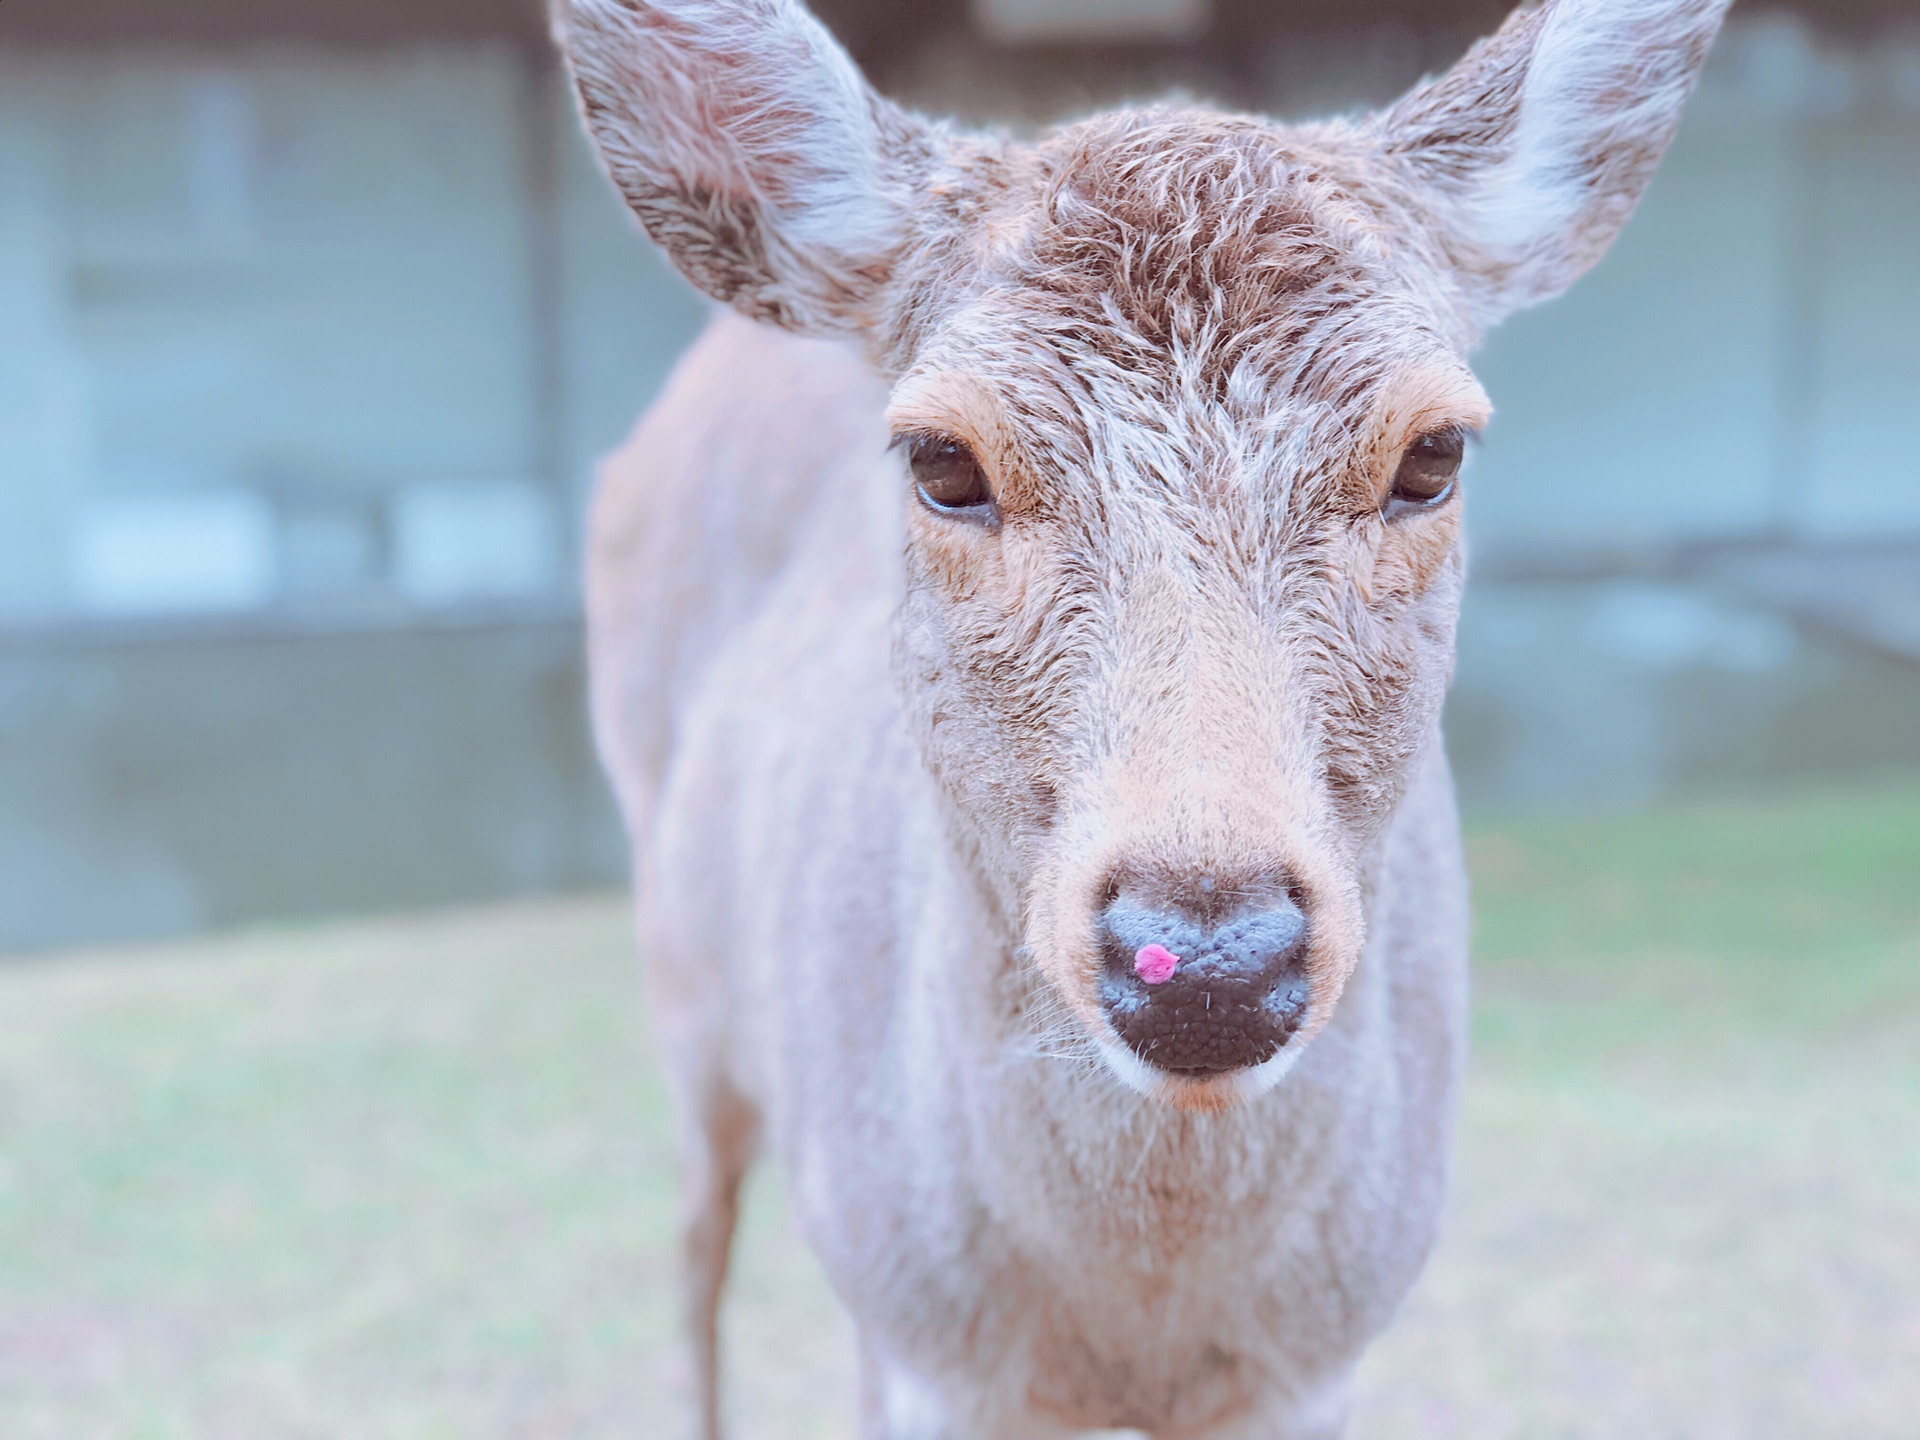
(1154,964)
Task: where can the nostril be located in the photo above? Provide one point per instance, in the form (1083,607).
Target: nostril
(1154,944)
(1266,942)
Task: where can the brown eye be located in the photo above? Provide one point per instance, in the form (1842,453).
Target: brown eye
(949,479)
(1428,473)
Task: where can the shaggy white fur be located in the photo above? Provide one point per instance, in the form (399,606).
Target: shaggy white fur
(1583,97)
(748,144)
(891,772)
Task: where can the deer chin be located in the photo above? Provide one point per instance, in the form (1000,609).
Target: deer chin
(1207,1095)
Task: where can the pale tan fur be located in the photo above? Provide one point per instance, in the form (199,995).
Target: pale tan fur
(881,767)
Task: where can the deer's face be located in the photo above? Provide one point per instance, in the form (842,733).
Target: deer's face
(1183,565)
(1179,406)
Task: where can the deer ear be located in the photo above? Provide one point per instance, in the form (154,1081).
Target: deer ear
(751,149)
(1535,149)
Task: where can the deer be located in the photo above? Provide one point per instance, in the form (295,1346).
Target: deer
(1017,640)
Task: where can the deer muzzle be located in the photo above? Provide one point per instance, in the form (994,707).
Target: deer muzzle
(1206,980)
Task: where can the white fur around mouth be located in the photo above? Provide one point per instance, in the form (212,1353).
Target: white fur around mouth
(1237,1087)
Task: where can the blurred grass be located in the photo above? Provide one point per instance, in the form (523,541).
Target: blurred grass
(1688,1194)
(412,1178)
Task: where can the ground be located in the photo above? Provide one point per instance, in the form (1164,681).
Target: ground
(411,1178)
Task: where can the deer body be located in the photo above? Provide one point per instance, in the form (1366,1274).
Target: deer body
(1085,586)
(1018,1236)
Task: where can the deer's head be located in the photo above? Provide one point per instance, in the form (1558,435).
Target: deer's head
(1180,400)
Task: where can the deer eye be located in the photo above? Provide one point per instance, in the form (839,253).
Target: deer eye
(1428,473)
(948,478)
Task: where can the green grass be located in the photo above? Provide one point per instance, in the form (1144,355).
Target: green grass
(404,1179)
(1689,1183)
(413,1178)
(1781,920)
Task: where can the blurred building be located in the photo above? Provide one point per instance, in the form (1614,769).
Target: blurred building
(313,320)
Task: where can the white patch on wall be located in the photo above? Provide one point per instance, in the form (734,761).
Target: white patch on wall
(204,550)
(468,540)
(1042,22)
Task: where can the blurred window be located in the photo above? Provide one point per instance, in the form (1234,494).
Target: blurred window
(275,331)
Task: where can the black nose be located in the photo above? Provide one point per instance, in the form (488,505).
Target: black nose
(1204,979)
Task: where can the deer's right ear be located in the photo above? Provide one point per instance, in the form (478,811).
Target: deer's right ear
(1534,150)
(751,149)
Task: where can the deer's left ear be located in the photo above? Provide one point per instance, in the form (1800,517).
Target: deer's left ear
(1533,152)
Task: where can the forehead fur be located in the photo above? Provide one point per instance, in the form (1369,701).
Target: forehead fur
(1233,275)
(1185,223)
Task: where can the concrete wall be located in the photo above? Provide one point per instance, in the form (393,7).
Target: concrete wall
(1608,693)
(329,328)
(159,782)
(308,352)
(308,355)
